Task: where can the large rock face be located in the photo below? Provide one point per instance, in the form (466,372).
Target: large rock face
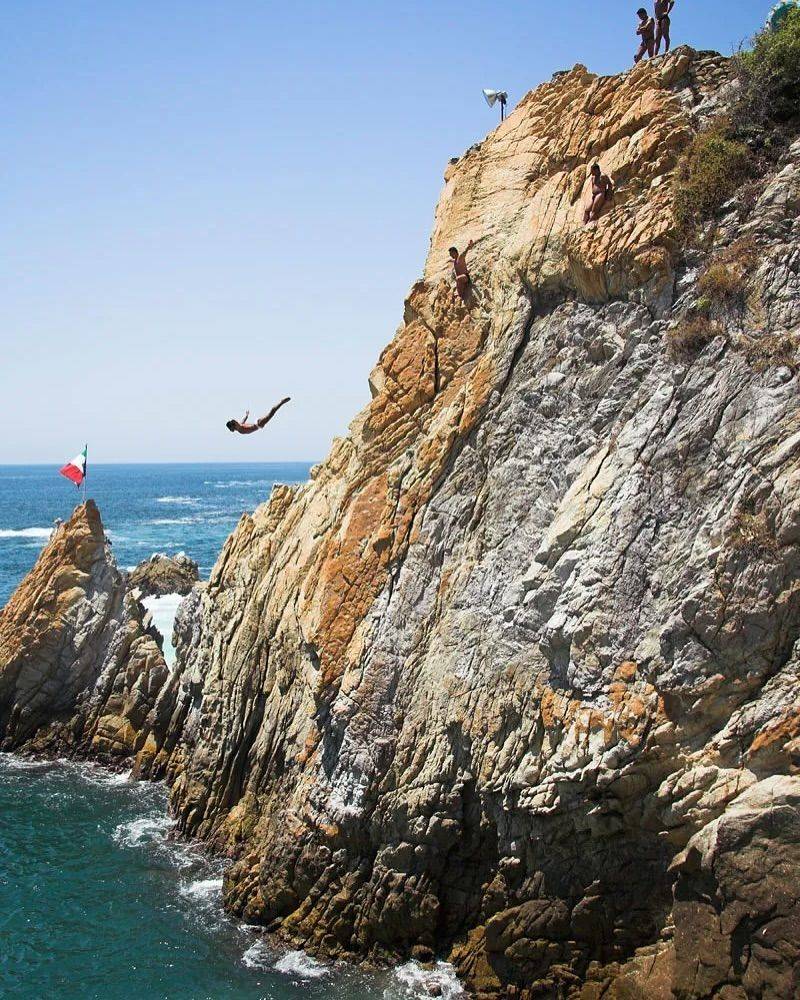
(514,678)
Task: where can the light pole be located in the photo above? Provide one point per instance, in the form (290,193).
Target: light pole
(500,97)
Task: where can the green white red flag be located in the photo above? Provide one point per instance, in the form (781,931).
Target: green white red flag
(75,470)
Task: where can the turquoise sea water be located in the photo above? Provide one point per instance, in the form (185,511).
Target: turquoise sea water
(96,899)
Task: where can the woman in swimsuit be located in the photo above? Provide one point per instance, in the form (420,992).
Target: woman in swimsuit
(647,30)
(602,190)
(663,8)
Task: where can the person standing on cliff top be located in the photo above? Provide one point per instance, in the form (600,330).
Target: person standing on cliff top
(602,190)
(647,31)
(242,426)
(460,269)
(662,11)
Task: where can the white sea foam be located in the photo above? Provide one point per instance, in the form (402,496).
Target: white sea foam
(415,981)
(142,831)
(295,964)
(163,609)
(258,956)
(204,889)
(202,897)
(95,774)
(180,501)
(11,763)
(298,965)
(233,484)
(87,771)
(25,532)
(173,520)
(122,778)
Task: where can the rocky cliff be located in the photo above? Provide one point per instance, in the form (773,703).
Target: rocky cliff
(80,664)
(513,679)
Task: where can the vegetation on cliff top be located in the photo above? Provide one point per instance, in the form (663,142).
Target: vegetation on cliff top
(722,157)
(769,74)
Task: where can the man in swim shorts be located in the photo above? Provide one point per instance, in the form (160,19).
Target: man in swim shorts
(242,426)
(663,9)
(602,190)
(460,269)
(647,32)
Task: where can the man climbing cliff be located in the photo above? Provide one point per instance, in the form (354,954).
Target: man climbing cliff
(460,269)
(242,426)
(602,190)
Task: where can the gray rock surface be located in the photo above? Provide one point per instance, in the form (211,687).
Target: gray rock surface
(162,574)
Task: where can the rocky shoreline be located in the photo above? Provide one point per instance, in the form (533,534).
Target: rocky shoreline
(513,680)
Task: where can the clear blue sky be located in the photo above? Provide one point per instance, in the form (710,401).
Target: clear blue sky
(206,206)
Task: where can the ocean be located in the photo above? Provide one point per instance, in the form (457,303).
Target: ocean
(96,899)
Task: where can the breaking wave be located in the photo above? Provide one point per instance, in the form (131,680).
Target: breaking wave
(415,980)
(206,889)
(295,964)
(233,484)
(300,966)
(25,532)
(144,830)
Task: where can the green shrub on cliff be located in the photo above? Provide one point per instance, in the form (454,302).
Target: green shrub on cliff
(721,159)
(709,173)
(689,336)
(723,281)
(769,75)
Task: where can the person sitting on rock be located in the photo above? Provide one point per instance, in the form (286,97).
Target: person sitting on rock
(647,31)
(242,426)
(460,269)
(663,8)
(602,190)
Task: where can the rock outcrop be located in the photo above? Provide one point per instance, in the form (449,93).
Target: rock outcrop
(162,574)
(514,678)
(80,664)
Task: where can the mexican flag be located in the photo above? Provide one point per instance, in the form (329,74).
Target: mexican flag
(75,470)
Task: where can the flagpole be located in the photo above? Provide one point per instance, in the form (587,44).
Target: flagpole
(85,470)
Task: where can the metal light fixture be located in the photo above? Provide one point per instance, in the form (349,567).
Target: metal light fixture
(497,97)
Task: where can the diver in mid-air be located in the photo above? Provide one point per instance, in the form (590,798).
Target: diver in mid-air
(242,426)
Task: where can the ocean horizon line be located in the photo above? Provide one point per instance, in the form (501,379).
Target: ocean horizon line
(120,465)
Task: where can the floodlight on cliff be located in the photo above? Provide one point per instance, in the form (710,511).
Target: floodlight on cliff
(493,97)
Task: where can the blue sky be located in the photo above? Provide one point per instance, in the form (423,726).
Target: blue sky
(207,206)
